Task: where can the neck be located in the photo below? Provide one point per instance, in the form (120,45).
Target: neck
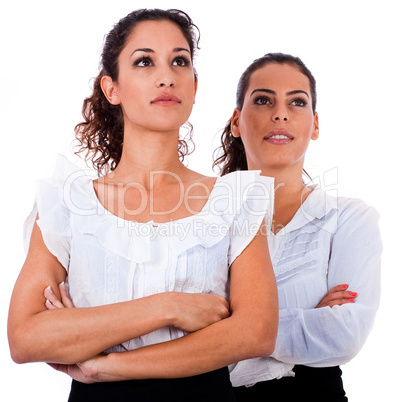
(288,181)
(290,193)
(145,152)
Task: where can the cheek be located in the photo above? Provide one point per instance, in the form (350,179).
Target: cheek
(250,142)
(190,87)
(244,120)
(306,123)
(124,94)
(249,127)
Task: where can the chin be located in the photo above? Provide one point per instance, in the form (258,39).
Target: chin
(167,124)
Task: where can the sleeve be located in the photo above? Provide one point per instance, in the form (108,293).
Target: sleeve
(54,220)
(255,200)
(333,336)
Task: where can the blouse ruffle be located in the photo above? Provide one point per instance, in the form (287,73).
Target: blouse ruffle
(54,216)
(237,205)
(110,260)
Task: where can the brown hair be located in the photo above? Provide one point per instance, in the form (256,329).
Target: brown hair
(101,134)
(233,155)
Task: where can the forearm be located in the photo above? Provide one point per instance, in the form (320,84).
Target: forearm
(329,336)
(216,346)
(73,335)
(249,332)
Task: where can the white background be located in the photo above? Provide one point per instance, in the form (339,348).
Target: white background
(50,50)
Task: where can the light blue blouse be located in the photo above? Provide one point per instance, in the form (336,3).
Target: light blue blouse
(330,241)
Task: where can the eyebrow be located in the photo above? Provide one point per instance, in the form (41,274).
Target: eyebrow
(148,50)
(270,91)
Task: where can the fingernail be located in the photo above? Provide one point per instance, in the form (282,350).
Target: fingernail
(351,300)
(48,302)
(354,294)
(62,284)
(345,286)
(49,287)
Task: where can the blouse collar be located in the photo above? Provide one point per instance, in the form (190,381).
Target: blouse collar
(316,208)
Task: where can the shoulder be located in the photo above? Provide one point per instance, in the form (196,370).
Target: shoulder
(70,188)
(321,203)
(357,220)
(333,213)
(356,211)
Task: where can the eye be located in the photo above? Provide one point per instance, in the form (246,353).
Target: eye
(181,61)
(262,100)
(299,102)
(144,61)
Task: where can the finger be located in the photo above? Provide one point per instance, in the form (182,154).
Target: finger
(225,308)
(49,306)
(340,295)
(52,298)
(59,367)
(224,302)
(66,301)
(340,302)
(337,302)
(339,288)
(336,298)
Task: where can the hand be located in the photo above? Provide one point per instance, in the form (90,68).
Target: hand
(53,302)
(191,311)
(84,372)
(337,296)
(194,311)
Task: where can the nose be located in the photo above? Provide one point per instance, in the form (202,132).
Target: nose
(165,78)
(165,83)
(280,114)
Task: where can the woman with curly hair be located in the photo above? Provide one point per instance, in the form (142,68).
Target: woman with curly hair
(325,250)
(148,252)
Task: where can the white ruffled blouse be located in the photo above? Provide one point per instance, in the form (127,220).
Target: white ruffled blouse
(330,241)
(110,260)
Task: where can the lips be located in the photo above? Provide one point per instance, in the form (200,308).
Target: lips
(279,137)
(166,100)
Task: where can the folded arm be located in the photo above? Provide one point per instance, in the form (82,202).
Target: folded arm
(248,332)
(335,333)
(73,335)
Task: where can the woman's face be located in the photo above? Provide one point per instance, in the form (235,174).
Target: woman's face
(156,85)
(276,122)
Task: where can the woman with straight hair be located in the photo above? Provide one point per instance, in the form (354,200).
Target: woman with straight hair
(325,250)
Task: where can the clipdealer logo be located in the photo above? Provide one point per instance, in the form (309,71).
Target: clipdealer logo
(226,200)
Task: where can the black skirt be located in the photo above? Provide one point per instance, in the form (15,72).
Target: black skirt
(212,386)
(309,384)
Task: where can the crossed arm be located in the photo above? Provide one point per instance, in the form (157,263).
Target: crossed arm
(71,335)
(333,336)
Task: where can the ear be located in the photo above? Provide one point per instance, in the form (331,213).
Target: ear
(196,82)
(235,123)
(315,133)
(109,89)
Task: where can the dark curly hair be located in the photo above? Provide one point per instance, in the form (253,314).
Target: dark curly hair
(233,155)
(101,134)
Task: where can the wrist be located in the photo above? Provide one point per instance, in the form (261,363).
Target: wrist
(120,366)
(168,308)
(104,368)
